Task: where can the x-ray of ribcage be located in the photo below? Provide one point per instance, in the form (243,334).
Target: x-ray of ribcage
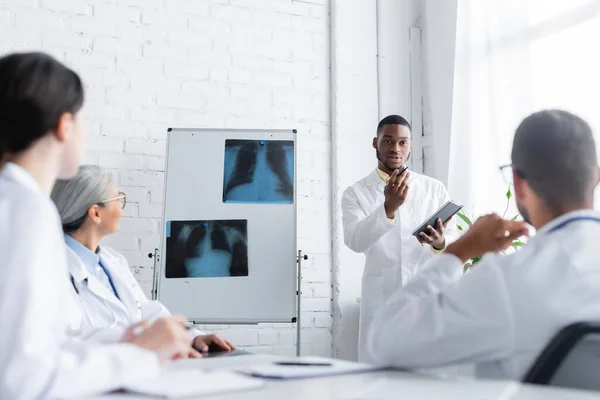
(205,249)
(258,171)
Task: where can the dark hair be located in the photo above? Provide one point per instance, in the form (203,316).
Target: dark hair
(392,120)
(35,90)
(555,152)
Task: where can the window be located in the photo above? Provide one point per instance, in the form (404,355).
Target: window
(514,57)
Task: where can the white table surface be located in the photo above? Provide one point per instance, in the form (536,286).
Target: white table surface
(372,386)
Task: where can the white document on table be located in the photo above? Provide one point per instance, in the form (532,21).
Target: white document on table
(274,370)
(418,387)
(178,384)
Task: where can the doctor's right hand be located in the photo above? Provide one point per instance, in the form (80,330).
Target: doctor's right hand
(488,234)
(395,192)
(167,337)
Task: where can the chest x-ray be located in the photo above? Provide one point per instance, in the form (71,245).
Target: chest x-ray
(207,249)
(259,171)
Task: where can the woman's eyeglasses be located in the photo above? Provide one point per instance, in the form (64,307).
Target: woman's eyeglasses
(122,197)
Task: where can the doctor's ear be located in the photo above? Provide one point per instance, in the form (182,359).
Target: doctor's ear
(375,142)
(94,214)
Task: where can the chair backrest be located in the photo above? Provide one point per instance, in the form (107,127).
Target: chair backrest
(571,359)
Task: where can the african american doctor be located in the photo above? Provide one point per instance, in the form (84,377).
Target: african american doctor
(379,214)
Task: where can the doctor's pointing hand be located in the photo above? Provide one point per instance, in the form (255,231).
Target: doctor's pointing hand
(395,192)
(489,234)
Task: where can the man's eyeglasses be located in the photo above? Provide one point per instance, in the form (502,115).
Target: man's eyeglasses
(122,197)
(507,173)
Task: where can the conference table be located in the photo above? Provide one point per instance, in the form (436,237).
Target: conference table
(380,385)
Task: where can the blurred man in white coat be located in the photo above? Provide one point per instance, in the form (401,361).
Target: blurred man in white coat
(504,312)
(379,214)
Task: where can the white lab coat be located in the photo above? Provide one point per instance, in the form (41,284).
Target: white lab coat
(105,317)
(37,357)
(393,254)
(502,313)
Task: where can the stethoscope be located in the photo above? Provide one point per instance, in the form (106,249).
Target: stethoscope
(77,332)
(570,220)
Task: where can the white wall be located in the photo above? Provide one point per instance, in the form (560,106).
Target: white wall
(354,116)
(151,64)
(394,21)
(439,37)
(363,91)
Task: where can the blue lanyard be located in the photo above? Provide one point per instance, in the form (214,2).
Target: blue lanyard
(567,222)
(110,280)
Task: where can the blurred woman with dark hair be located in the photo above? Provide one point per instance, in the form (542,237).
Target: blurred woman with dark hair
(41,140)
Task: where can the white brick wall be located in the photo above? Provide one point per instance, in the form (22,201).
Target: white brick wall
(151,64)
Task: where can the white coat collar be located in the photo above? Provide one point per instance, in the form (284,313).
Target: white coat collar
(80,274)
(565,217)
(89,258)
(114,264)
(373,179)
(22,176)
(76,267)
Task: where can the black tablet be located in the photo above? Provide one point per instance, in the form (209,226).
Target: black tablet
(446,212)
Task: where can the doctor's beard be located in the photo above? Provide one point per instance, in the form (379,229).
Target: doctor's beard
(524,213)
(389,168)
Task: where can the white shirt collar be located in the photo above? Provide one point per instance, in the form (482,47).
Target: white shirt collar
(21,175)
(89,258)
(375,179)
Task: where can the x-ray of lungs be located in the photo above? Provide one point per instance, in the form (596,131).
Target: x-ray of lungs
(207,249)
(258,171)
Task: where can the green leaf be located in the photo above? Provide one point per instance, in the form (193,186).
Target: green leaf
(515,217)
(508,193)
(475,260)
(465,219)
(459,227)
(517,243)
(466,267)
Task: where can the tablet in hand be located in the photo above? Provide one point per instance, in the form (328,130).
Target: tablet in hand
(446,212)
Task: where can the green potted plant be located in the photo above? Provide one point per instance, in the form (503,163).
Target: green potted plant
(516,244)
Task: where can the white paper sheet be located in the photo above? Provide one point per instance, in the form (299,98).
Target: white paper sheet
(388,389)
(179,384)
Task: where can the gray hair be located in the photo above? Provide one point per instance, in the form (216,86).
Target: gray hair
(75,196)
(555,152)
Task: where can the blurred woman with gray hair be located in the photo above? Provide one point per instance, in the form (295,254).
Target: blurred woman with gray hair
(90,207)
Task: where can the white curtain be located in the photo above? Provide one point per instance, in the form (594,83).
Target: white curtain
(514,57)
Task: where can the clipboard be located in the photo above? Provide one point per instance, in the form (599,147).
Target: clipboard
(446,212)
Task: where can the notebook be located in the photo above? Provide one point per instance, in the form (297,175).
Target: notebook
(179,384)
